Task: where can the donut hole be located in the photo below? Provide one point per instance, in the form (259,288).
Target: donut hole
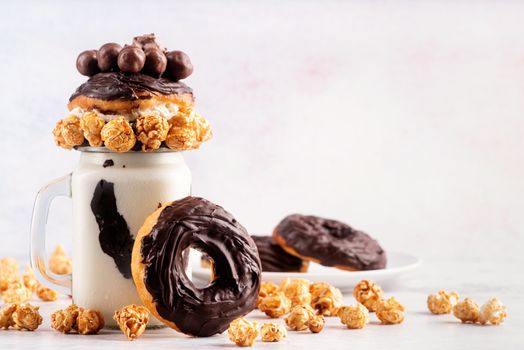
(194,256)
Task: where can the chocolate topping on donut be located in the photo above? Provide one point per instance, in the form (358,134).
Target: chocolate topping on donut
(197,223)
(274,258)
(117,85)
(330,242)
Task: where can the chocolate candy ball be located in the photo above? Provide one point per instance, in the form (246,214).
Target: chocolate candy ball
(156,62)
(108,56)
(87,63)
(178,65)
(131,59)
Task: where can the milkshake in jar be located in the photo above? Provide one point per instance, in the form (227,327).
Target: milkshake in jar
(130,121)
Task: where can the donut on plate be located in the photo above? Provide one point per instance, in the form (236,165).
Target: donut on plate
(329,242)
(159,265)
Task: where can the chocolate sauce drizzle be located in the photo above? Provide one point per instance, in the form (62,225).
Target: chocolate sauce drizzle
(129,87)
(115,238)
(197,223)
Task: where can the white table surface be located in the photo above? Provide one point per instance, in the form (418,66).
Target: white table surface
(420,330)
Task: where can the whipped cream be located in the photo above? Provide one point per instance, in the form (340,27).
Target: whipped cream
(167,111)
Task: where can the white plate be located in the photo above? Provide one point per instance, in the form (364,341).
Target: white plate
(398,264)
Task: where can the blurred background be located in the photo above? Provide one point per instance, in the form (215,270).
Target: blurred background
(404,119)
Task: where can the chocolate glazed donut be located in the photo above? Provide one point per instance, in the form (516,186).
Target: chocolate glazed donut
(159,267)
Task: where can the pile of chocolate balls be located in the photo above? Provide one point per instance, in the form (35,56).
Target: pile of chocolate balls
(145,55)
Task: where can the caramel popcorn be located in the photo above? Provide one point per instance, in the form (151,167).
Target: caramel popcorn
(63,321)
(390,311)
(8,272)
(493,311)
(6,316)
(132,320)
(29,279)
(59,263)
(266,289)
(187,131)
(68,133)
(354,316)
(442,302)
(16,292)
(325,298)
(92,125)
(275,305)
(118,135)
(243,332)
(467,311)
(151,131)
(26,316)
(89,322)
(272,332)
(297,290)
(298,319)
(316,324)
(46,294)
(368,293)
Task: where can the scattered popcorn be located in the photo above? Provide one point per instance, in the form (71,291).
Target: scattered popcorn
(275,305)
(243,332)
(118,135)
(89,322)
(8,272)
(354,316)
(151,131)
(266,289)
(16,292)
(29,279)
(493,311)
(467,311)
(390,311)
(63,321)
(21,316)
(92,125)
(298,319)
(368,293)
(297,290)
(132,320)
(325,298)
(272,332)
(442,302)
(187,131)
(46,294)
(74,318)
(316,324)
(59,263)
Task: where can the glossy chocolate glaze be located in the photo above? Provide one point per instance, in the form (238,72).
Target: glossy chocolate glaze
(274,258)
(121,86)
(115,238)
(331,242)
(197,223)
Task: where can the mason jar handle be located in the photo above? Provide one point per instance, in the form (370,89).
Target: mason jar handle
(56,188)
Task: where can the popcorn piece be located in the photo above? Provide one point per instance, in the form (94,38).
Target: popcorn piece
(390,311)
(132,320)
(325,298)
(442,302)
(275,305)
(92,125)
(243,332)
(187,131)
(272,332)
(63,321)
(354,316)
(59,263)
(467,311)
(368,293)
(29,279)
(16,292)
(298,319)
(493,311)
(118,136)
(8,272)
(266,289)
(26,316)
(151,131)
(316,324)
(89,322)
(68,133)
(6,316)
(46,294)
(297,290)
(284,283)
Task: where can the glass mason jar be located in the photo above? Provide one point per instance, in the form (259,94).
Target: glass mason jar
(112,194)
